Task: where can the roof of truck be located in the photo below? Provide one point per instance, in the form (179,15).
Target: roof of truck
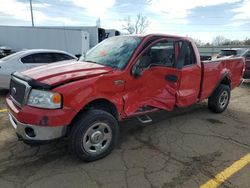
(154,35)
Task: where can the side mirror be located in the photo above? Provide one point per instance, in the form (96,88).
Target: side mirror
(137,70)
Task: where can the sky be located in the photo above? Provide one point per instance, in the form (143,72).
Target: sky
(199,19)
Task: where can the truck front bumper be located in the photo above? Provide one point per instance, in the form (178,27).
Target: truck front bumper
(36,133)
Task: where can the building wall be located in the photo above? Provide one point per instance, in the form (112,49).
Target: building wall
(19,38)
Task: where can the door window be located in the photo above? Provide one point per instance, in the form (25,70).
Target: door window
(43,58)
(38,58)
(160,54)
(61,57)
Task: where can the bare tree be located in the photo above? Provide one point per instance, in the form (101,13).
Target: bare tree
(247,41)
(219,40)
(128,25)
(198,42)
(139,26)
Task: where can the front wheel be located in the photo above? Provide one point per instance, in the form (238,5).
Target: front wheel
(93,135)
(219,100)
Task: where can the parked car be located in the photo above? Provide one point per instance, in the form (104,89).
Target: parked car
(205,57)
(246,55)
(231,52)
(5,51)
(27,59)
(120,78)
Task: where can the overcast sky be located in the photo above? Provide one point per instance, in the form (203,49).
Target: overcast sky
(202,19)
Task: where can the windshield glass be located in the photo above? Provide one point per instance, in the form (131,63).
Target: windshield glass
(113,52)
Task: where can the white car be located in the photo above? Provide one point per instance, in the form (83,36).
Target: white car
(27,59)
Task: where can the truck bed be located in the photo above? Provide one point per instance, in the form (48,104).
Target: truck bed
(215,70)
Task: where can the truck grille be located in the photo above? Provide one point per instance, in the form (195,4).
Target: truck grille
(17,91)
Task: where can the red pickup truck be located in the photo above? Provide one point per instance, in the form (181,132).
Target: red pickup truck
(122,77)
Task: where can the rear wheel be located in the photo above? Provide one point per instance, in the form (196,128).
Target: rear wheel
(93,135)
(219,100)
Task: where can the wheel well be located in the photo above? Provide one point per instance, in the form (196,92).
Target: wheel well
(102,104)
(226,81)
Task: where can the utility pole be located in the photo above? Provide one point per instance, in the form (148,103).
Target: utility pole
(31,12)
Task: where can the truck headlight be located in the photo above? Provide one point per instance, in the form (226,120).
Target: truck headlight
(44,99)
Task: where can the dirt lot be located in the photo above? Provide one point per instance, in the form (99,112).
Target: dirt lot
(184,148)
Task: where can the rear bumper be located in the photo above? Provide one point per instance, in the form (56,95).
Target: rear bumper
(36,133)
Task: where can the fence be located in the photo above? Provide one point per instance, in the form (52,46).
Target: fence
(214,50)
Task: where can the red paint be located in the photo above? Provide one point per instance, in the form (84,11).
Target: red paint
(247,68)
(80,83)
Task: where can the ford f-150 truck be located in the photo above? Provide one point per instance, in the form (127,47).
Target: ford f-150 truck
(122,77)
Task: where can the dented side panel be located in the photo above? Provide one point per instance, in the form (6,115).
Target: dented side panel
(189,86)
(151,89)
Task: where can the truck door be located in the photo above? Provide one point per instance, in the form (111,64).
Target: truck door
(154,81)
(190,77)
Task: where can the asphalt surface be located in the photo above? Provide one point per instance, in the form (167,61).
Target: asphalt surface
(184,148)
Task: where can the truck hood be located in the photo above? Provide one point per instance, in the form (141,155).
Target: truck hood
(65,71)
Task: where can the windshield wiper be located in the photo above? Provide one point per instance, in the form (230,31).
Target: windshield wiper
(90,61)
(114,67)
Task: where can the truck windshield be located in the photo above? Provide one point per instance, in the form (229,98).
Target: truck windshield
(113,52)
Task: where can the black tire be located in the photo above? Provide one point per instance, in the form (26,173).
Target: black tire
(84,124)
(215,101)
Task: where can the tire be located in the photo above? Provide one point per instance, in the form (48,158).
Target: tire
(220,98)
(94,135)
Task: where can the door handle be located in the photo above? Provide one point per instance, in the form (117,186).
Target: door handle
(171,78)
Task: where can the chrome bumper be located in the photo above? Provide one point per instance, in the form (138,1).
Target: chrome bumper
(37,133)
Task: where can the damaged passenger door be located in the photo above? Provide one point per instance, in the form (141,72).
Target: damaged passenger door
(190,77)
(154,79)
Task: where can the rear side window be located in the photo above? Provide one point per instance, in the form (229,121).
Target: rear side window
(38,58)
(61,57)
(186,55)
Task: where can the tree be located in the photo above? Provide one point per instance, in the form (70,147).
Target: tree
(198,42)
(219,40)
(247,42)
(139,26)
